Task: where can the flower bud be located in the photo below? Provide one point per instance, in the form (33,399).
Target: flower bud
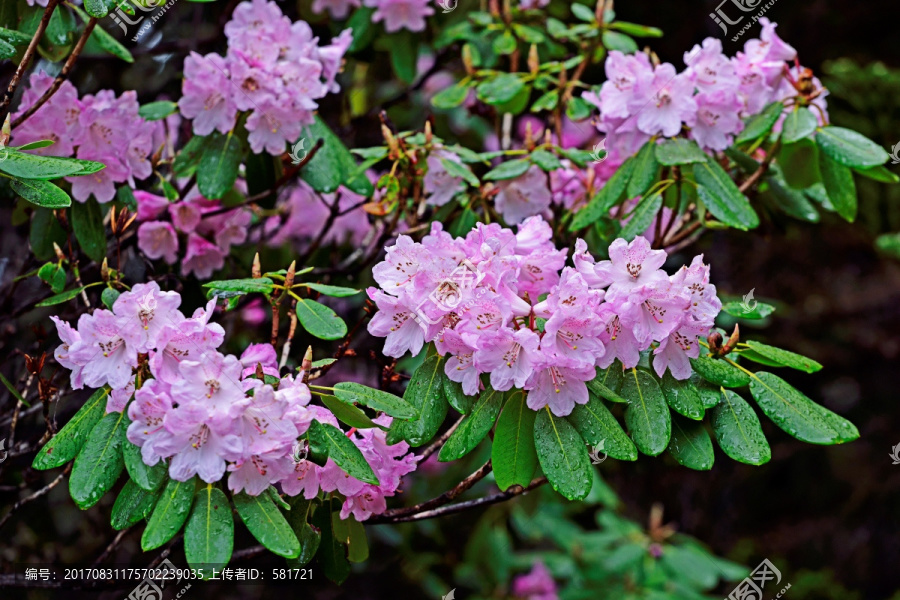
(534,63)
(289,278)
(256,269)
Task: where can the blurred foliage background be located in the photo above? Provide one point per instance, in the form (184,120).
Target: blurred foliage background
(827,517)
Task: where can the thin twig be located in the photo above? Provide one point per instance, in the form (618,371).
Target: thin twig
(763,167)
(111,547)
(26,59)
(515,490)
(445,498)
(286,350)
(57,83)
(35,495)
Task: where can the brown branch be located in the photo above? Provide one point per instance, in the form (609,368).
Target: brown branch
(392,516)
(111,547)
(763,167)
(26,59)
(515,490)
(35,495)
(57,83)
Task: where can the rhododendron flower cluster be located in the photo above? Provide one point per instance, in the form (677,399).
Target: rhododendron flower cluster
(506,304)
(273,68)
(207,232)
(206,413)
(710,97)
(101,127)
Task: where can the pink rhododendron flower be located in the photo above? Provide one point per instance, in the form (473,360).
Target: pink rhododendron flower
(524,196)
(538,584)
(400,14)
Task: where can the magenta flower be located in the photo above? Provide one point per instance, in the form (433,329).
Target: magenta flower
(157,239)
(144,312)
(202,257)
(70,337)
(663,102)
(460,366)
(206,94)
(212,382)
(195,447)
(509,357)
(440,185)
(106,356)
(718,119)
(631,265)
(709,69)
(151,405)
(397,323)
(558,385)
(524,196)
(623,73)
(189,339)
(538,584)
(263,354)
(400,14)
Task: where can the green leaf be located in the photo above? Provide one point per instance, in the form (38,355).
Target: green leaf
(219,163)
(474,427)
(605,199)
(791,201)
(613,40)
(87,223)
(310,538)
(709,394)
(679,151)
(879,173)
(839,185)
(505,43)
(563,455)
(786,357)
(109,297)
(850,148)
(38,144)
(635,30)
(691,564)
(582,12)
(389,404)
(499,89)
(357,544)
(737,430)
(642,217)
(760,311)
(319,320)
(15,393)
(188,158)
(722,197)
(690,445)
(144,476)
(547,161)
(425,392)
(266,522)
(404,55)
(332,555)
(513,455)
(508,170)
(156,111)
(41,193)
(107,42)
(599,428)
(761,124)
(328,440)
(335,291)
(599,389)
(645,170)
(132,504)
(799,124)
(209,533)
(99,463)
(17,38)
(65,296)
(262,285)
(456,169)
(332,165)
(796,414)
(457,398)
(36,166)
(67,443)
(547,101)
(169,515)
(647,415)
(96,8)
(889,243)
(348,413)
(452,96)
(683,397)
(800,164)
(719,372)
